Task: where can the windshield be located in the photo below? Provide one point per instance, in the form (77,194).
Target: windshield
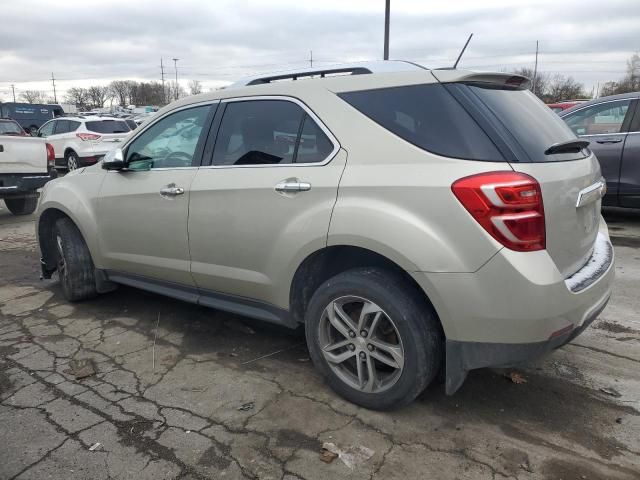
(533,125)
(10,128)
(108,126)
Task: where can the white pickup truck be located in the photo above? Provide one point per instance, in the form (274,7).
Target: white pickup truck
(26,164)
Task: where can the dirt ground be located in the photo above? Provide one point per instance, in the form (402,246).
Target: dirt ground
(185,392)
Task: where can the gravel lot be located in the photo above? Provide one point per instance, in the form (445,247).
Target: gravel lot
(193,398)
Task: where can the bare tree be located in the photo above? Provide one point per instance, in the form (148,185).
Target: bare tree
(195,87)
(630,82)
(78,97)
(32,96)
(563,88)
(542,80)
(98,95)
(175,90)
(120,91)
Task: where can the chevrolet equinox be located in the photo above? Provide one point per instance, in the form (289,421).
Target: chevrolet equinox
(412,220)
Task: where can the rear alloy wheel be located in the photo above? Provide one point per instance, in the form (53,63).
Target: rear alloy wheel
(21,206)
(374,336)
(73,162)
(367,355)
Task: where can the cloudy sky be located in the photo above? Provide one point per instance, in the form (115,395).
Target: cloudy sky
(91,42)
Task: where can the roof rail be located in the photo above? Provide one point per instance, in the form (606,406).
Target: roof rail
(358,68)
(321,73)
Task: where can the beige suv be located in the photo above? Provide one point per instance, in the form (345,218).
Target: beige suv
(411,220)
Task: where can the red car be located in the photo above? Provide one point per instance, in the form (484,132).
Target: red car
(561,106)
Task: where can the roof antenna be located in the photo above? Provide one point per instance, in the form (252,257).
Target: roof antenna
(462,52)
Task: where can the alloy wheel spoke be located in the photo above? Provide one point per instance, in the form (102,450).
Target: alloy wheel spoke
(342,317)
(334,346)
(338,357)
(387,353)
(367,309)
(372,377)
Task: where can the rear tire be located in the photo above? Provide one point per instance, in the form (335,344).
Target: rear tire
(21,206)
(75,266)
(388,366)
(71,160)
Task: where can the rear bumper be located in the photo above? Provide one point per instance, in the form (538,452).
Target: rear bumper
(23,184)
(517,307)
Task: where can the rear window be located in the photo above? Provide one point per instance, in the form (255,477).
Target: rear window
(10,128)
(429,117)
(107,126)
(533,125)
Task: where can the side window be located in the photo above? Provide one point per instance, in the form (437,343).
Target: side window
(598,119)
(170,142)
(258,132)
(62,126)
(73,126)
(46,129)
(314,145)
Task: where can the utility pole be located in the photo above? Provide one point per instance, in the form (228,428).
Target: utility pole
(53,81)
(535,70)
(164,98)
(387,14)
(311,58)
(175,65)
(13,89)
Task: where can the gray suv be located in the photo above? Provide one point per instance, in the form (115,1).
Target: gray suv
(612,127)
(411,220)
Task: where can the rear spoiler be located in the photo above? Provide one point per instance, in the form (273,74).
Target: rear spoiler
(507,80)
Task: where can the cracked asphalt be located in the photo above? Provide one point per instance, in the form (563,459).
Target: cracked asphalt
(183,392)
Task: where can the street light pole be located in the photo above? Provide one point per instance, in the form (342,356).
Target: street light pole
(387,14)
(175,65)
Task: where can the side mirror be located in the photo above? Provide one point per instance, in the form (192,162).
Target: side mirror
(114,160)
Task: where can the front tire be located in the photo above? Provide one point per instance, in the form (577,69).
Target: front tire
(72,160)
(21,206)
(75,266)
(374,337)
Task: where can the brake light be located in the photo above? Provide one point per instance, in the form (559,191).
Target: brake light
(87,136)
(508,205)
(51,156)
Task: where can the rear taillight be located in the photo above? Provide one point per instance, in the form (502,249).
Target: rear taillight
(51,156)
(87,136)
(508,205)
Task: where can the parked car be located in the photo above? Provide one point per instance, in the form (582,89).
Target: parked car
(612,126)
(409,219)
(79,141)
(26,164)
(30,116)
(562,106)
(9,127)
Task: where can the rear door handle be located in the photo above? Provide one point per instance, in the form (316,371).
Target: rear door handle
(293,187)
(171,191)
(609,140)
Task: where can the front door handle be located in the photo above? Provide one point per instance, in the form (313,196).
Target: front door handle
(293,187)
(171,191)
(609,140)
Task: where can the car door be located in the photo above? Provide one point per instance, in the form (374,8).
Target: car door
(143,209)
(629,193)
(265,201)
(60,137)
(602,124)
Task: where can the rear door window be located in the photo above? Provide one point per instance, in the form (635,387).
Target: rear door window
(107,126)
(429,117)
(603,118)
(258,132)
(62,126)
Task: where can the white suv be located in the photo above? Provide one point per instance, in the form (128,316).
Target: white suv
(79,141)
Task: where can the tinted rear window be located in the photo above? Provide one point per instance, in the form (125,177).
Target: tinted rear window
(533,125)
(10,128)
(429,117)
(108,126)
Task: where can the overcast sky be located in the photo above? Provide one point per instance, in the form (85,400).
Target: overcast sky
(92,42)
